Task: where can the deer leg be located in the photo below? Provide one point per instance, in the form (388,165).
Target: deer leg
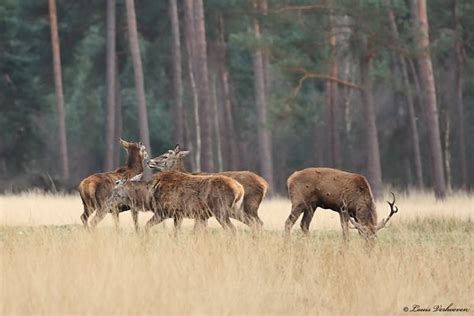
(85,216)
(99,215)
(296,211)
(229,225)
(257,222)
(251,214)
(223,218)
(306,220)
(115,215)
(135,219)
(254,222)
(345,225)
(155,219)
(178,221)
(242,217)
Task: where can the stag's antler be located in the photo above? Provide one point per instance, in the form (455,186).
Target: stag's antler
(353,222)
(393,210)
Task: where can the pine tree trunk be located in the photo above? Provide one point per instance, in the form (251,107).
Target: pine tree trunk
(415,138)
(223,126)
(192,71)
(373,152)
(189,139)
(328,125)
(264,137)
(447,151)
(197,121)
(110,83)
(318,132)
(332,137)
(459,51)
(118,116)
(347,94)
(416,80)
(230,124)
(230,134)
(138,74)
(216,125)
(418,96)
(411,107)
(431,110)
(177,71)
(263,4)
(58,86)
(207,157)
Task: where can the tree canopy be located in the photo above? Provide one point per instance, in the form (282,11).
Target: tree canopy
(295,41)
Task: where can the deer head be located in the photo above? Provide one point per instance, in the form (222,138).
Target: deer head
(136,153)
(119,193)
(367,230)
(169,160)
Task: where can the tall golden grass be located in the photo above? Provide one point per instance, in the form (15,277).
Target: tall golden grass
(49,265)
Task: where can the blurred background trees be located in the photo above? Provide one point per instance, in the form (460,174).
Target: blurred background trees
(380,87)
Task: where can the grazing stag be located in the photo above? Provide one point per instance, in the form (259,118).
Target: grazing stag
(255,187)
(347,193)
(180,195)
(96,189)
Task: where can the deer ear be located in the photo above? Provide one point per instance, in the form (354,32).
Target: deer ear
(183,153)
(177,149)
(124,143)
(138,177)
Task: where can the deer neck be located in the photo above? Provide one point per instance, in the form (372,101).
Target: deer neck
(134,162)
(179,166)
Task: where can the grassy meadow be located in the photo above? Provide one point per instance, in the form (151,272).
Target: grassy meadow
(50,265)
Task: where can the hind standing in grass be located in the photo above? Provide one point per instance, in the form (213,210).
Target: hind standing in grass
(96,189)
(255,187)
(180,195)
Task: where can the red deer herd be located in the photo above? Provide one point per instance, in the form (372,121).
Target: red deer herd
(175,193)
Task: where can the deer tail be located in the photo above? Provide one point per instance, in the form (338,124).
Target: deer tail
(239,197)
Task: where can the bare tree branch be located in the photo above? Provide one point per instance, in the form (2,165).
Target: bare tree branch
(314,75)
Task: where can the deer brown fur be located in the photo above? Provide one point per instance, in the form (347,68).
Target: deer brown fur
(347,193)
(95,189)
(136,195)
(133,194)
(255,187)
(181,195)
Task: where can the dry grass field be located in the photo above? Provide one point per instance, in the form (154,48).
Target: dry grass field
(49,265)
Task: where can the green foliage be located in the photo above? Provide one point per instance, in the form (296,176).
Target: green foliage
(293,40)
